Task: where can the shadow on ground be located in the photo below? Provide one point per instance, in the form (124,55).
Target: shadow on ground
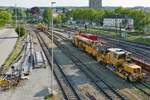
(42,93)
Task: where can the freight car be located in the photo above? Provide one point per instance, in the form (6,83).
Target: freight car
(116,59)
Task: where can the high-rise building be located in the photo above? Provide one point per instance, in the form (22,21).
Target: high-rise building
(97,4)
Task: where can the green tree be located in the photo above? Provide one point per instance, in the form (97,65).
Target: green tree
(47,15)
(98,16)
(20,31)
(141,18)
(64,17)
(19,12)
(57,19)
(82,15)
(5,17)
(109,12)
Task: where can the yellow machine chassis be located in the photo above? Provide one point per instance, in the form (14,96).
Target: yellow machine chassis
(90,49)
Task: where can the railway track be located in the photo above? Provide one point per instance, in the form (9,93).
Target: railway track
(108,91)
(140,45)
(66,87)
(141,52)
(132,48)
(140,86)
(137,46)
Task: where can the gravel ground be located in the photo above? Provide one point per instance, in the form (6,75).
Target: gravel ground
(36,88)
(76,77)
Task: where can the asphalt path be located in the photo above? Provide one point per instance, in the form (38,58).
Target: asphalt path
(8,38)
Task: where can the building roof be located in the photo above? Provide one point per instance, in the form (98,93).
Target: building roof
(118,16)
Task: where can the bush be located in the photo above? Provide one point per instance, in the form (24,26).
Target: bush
(20,31)
(5,17)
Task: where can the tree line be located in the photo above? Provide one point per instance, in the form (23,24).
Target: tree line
(82,15)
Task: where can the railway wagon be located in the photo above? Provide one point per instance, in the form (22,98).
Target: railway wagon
(116,59)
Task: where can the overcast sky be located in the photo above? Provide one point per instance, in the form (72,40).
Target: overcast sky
(31,3)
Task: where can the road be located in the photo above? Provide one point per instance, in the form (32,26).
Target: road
(8,38)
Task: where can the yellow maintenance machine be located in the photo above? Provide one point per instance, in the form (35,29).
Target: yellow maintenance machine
(42,27)
(116,59)
(119,61)
(4,83)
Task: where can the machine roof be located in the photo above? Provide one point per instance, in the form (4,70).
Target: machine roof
(117,50)
(134,66)
(86,39)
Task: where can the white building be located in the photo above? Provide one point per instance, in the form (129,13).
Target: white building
(118,21)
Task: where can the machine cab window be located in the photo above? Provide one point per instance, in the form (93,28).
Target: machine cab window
(121,56)
(128,56)
(137,70)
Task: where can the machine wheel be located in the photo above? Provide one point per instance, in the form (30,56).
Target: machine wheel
(97,58)
(103,63)
(130,78)
(84,49)
(73,43)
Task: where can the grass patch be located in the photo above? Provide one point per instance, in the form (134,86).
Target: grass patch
(49,97)
(14,54)
(52,97)
(140,39)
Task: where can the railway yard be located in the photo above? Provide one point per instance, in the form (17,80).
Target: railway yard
(75,50)
(78,75)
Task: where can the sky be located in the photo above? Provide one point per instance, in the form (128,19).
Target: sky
(31,3)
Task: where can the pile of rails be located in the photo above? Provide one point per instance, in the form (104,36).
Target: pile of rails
(116,59)
(13,76)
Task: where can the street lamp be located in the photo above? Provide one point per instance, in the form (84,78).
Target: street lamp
(52,83)
(116,22)
(17,11)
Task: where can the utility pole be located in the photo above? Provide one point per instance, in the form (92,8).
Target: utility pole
(116,23)
(120,28)
(19,21)
(16,13)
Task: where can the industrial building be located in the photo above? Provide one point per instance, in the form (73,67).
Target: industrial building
(117,21)
(96,4)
